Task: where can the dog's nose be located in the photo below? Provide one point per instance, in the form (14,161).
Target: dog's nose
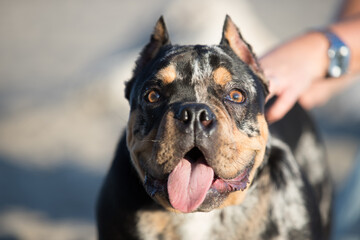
(198,116)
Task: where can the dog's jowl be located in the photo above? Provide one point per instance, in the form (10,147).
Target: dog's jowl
(198,159)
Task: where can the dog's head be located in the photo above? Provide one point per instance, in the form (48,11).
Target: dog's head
(197,132)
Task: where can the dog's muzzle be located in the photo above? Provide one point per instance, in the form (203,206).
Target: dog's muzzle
(196,118)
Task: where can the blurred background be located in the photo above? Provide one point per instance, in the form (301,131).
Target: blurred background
(62,70)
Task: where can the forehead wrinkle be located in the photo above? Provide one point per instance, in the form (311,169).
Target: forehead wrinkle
(218,50)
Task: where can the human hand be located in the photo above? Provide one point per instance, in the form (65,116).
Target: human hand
(296,70)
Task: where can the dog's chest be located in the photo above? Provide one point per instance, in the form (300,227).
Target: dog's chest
(154,225)
(199,225)
(228,223)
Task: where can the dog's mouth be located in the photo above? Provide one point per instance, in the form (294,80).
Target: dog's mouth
(189,183)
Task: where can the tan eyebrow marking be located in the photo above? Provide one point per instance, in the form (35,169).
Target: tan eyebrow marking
(167,74)
(222,76)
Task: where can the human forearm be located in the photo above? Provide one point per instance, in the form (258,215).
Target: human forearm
(297,69)
(349,9)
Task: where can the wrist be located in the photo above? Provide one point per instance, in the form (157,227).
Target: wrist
(319,45)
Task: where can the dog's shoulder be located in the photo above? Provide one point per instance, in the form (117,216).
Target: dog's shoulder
(298,130)
(121,195)
(298,142)
(294,206)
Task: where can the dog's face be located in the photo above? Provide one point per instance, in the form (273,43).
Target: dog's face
(197,132)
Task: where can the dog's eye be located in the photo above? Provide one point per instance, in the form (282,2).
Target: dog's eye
(152,96)
(236,96)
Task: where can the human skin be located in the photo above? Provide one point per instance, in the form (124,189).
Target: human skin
(297,69)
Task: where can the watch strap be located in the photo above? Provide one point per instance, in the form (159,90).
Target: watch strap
(339,55)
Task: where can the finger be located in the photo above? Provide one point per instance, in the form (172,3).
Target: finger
(274,86)
(282,105)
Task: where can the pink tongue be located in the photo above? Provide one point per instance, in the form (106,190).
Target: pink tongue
(188,184)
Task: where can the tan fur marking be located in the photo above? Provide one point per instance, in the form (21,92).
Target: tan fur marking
(244,144)
(234,198)
(167,75)
(233,150)
(222,76)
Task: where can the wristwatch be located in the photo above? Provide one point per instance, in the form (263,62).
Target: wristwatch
(339,56)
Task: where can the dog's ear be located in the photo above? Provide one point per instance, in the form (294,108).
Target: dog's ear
(231,37)
(159,38)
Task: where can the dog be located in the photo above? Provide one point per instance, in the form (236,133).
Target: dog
(198,159)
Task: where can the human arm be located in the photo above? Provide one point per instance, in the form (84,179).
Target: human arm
(297,69)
